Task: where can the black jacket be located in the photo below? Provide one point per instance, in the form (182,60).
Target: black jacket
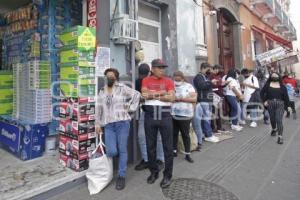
(203,87)
(284,97)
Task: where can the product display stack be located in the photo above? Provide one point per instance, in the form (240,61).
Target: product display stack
(77,88)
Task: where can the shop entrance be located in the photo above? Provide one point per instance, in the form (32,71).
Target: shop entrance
(225,39)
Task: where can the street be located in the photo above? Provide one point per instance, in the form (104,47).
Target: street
(251,166)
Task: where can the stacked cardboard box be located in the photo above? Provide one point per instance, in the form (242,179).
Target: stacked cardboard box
(32,94)
(6,92)
(77,89)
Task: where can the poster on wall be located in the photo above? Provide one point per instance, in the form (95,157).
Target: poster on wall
(92,13)
(271,56)
(102,60)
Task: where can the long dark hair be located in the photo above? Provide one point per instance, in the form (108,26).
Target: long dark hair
(231,74)
(279,76)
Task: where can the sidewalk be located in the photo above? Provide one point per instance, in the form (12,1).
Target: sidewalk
(251,165)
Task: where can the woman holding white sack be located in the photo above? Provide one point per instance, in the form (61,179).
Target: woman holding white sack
(114,103)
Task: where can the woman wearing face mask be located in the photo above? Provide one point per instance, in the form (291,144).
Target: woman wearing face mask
(183,112)
(275,97)
(233,94)
(114,102)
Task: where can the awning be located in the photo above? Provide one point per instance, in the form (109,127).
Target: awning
(274,37)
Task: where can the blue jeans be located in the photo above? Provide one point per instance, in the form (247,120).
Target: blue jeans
(253,112)
(116,138)
(142,141)
(234,109)
(202,121)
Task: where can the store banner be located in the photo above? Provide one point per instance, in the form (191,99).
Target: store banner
(92,13)
(271,56)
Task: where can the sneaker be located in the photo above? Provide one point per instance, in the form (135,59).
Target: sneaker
(253,124)
(242,122)
(160,164)
(236,128)
(141,166)
(120,184)
(212,139)
(280,140)
(189,159)
(198,148)
(174,153)
(273,133)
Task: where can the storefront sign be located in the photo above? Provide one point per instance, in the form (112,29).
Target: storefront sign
(92,13)
(271,56)
(87,39)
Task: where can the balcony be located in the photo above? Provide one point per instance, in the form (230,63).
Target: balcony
(284,26)
(124,30)
(269,10)
(293,32)
(263,7)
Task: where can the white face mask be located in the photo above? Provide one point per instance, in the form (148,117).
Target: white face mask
(178,83)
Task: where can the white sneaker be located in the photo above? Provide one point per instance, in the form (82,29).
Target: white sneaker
(236,128)
(213,139)
(242,122)
(253,124)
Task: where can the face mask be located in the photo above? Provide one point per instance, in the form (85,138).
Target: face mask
(110,82)
(208,73)
(178,83)
(247,76)
(274,79)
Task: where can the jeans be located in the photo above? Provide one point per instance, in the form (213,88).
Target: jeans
(142,141)
(163,125)
(182,125)
(202,119)
(253,112)
(116,138)
(234,109)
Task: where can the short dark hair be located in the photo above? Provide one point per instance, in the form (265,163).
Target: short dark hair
(144,69)
(217,66)
(245,71)
(205,65)
(113,70)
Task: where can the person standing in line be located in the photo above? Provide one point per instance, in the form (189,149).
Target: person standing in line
(275,97)
(292,86)
(250,85)
(159,94)
(233,94)
(203,115)
(144,71)
(183,112)
(114,102)
(262,79)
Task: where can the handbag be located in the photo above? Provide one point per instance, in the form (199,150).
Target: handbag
(100,171)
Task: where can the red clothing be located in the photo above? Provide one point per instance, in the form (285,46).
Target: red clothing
(291,81)
(160,85)
(218,88)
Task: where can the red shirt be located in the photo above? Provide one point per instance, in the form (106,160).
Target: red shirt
(291,81)
(160,85)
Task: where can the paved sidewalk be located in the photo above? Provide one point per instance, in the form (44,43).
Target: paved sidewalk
(251,165)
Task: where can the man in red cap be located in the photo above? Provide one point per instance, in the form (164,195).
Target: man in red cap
(159,93)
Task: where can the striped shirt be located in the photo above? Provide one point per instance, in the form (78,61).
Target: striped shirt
(116,106)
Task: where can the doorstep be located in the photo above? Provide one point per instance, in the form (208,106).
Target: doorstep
(22,180)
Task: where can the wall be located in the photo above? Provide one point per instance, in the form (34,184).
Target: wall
(186,37)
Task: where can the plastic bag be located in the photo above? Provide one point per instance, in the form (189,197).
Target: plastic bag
(100,172)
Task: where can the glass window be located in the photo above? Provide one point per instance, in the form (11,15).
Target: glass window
(148,33)
(148,12)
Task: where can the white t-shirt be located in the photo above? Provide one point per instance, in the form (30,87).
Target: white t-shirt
(248,91)
(233,83)
(181,108)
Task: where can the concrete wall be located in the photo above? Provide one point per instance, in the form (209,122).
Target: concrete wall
(186,37)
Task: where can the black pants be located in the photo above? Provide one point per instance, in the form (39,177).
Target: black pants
(182,125)
(165,126)
(276,111)
(292,105)
(216,122)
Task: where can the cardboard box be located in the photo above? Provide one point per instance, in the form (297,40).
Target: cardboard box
(78,165)
(74,129)
(71,108)
(6,79)
(82,37)
(6,108)
(70,55)
(76,148)
(75,73)
(69,89)
(26,141)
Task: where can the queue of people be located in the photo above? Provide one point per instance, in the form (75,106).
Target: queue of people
(169,106)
